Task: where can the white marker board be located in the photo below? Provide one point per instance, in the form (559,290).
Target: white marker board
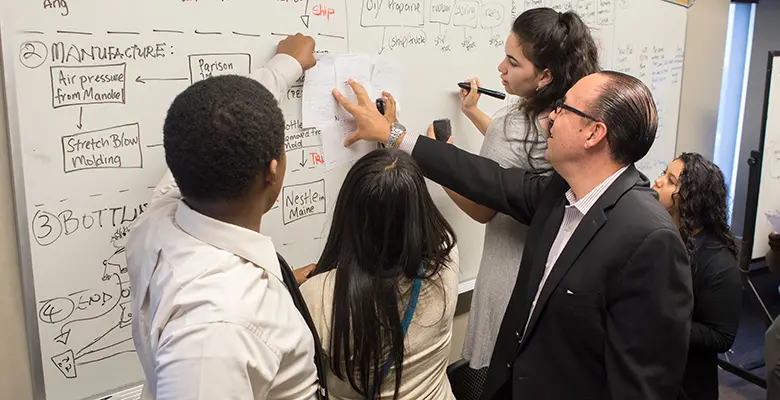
(769,189)
(88,84)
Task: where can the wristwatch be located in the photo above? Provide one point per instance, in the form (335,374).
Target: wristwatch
(396,130)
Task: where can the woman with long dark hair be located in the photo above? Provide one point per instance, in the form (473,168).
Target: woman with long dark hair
(692,188)
(384,291)
(547,52)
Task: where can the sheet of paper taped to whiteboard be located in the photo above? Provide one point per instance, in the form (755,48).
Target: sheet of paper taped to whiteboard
(321,110)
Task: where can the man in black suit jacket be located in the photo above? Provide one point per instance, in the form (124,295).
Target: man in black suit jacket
(602,304)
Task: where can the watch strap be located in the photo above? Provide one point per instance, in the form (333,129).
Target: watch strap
(396,130)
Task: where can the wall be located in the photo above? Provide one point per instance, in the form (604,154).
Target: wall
(459,326)
(729,123)
(766,37)
(14,365)
(705,43)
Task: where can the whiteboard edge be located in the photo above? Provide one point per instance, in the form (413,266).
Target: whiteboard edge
(682,85)
(466,286)
(773,55)
(20,206)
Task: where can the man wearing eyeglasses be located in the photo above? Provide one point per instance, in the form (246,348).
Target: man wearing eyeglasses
(602,303)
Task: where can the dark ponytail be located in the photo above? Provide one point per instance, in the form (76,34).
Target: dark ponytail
(561,43)
(579,46)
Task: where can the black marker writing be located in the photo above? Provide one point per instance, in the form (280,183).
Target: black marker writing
(65,53)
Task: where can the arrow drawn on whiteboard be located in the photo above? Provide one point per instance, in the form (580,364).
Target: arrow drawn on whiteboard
(116,304)
(305,16)
(144,80)
(81,113)
(102,349)
(63,337)
(119,353)
(303,160)
(97,339)
(330,36)
(382,48)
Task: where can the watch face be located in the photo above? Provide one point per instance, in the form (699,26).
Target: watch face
(397,125)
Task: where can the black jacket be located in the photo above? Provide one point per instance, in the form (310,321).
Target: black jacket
(717,297)
(613,318)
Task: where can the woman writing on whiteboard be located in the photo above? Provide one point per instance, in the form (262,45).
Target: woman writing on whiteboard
(694,192)
(546,53)
(383,293)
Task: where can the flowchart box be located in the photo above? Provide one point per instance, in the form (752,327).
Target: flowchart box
(88,84)
(114,147)
(204,66)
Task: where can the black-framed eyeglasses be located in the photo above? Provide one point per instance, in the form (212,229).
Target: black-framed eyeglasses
(560,104)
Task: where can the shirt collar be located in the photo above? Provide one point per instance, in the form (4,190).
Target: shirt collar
(584,204)
(251,246)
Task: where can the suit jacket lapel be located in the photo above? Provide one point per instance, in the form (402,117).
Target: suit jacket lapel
(547,217)
(586,230)
(540,258)
(588,227)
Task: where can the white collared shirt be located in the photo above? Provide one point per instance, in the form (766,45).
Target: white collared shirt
(212,318)
(573,214)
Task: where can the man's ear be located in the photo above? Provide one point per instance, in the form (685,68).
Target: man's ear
(598,135)
(272,174)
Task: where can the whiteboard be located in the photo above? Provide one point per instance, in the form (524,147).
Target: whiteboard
(89,82)
(769,189)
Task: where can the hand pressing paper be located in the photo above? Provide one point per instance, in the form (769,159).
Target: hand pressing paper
(335,153)
(321,110)
(358,68)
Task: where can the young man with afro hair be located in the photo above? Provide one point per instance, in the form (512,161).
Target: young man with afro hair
(214,311)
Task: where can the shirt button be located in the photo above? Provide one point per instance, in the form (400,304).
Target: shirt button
(517,334)
(508,365)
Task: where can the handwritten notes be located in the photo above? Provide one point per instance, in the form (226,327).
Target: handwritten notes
(386,77)
(774,220)
(322,111)
(772,156)
(358,68)
(336,153)
(319,107)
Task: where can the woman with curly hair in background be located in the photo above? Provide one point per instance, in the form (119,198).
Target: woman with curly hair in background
(693,190)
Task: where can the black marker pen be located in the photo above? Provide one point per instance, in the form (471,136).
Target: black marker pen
(491,93)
